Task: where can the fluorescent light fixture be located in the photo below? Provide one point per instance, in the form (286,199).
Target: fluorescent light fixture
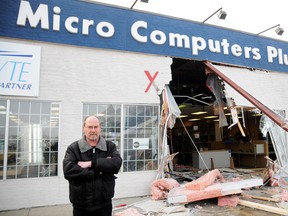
(13,117)
(181,106)
(182,116)
(195,119)
(100,115)
(257,114)
(210,117)
(199,113)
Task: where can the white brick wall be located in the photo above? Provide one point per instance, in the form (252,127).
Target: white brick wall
(72,75)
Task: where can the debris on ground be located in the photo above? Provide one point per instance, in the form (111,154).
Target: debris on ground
(129,212)
(223,191)
(161,187)
(228,201)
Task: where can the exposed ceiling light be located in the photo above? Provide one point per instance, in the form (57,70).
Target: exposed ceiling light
(257,114)
(100,114)
(195,119)
(210,117)
(181,106)
(199,113)
(182,116)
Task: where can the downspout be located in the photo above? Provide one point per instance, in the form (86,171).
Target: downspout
(267,111)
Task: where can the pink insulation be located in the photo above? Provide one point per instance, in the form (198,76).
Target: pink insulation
(206,187)
(284,196)
(205,180)
(161,187)
(211,191)
(228,201)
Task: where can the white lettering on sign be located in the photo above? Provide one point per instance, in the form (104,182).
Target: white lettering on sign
(142,33)
(105,29)
(26,13)
(275,54)
(135,33)
(139,31)
(71,24)
(179,39)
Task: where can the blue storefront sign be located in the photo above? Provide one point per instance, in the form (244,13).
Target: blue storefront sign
(81,23)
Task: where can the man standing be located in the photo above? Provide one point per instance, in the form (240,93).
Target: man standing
(89,165)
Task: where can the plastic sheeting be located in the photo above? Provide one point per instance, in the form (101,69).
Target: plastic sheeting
(169,113)
(214,84)
(279,142)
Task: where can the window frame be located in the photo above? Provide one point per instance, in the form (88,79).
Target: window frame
(47,160)
(147,164)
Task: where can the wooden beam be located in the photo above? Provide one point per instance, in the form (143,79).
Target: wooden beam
(263,207)
(212,163)
(266,110)
(270,199)
(232,163)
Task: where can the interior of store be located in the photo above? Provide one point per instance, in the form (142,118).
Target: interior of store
(197,129)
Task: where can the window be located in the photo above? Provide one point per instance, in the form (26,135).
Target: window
(133,128)
(29,140)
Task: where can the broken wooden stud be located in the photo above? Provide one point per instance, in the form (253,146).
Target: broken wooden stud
(261,198)
(232,163)
(263,207)
(212,164)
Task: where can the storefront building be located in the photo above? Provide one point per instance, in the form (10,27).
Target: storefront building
(63,60)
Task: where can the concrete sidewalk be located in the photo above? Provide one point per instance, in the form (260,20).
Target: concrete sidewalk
(200,208)
(64,210)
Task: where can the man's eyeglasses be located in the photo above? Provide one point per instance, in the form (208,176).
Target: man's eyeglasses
(92,127)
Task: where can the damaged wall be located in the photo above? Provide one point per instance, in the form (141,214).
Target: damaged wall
(268,87)
(266,90)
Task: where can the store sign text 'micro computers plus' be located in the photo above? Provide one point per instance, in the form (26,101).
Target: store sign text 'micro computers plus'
(87,24)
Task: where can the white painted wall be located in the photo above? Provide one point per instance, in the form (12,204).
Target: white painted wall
(72,75)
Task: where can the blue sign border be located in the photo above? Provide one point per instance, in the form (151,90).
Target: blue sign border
(205,42)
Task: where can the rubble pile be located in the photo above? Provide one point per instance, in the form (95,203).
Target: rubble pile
(190,193)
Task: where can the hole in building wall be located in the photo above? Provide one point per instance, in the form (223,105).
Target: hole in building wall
(199,117)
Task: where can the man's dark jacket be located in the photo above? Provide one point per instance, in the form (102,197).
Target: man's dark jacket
(91,188)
